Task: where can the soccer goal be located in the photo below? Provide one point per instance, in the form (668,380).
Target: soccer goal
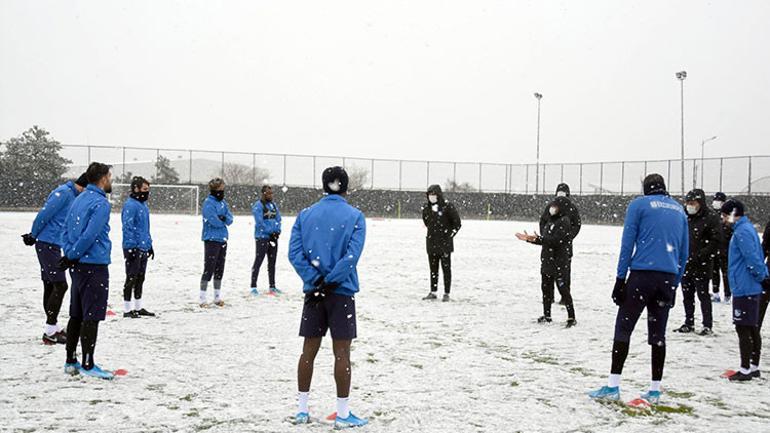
(182,199)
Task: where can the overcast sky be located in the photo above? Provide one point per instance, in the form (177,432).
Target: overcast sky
(450,80)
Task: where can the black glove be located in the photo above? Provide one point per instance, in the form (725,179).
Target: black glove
(65,263)
(222,218)
(274,236)
(619,291)
(151,254)
(320,292)
(766,284)
(28,239)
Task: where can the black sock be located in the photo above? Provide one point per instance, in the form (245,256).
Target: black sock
(90,329)
(54,302)
(73,336)
(658,361)
(756,349)
(619,355)
(128,288)
(745,343)
(47,289)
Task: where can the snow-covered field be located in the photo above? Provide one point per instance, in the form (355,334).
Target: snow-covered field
(479,363)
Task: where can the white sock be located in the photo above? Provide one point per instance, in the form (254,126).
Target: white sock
(203,296)
(655,385)
(138,304)
(754,368)
(302,399)
(217,297)
(127,306)
(745,370)
(613,381)
(51,329)
(342,407)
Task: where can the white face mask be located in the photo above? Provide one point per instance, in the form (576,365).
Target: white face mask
(433,198)
(553,210)
(692,210)
(561,194)
(716,204)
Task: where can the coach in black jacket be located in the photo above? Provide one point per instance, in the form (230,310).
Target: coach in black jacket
(443,222)
(573,214)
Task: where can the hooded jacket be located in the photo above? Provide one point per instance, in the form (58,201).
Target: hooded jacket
(570,211)
(442,221)
(49,222)
(556,237)
(86,235)
(746,267)
(705,235)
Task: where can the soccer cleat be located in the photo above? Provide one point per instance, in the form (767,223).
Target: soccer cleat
(431,296)
(570,323)
(219,303)
(302,418)
(349,422)
(755,374)
(445,298)
(740,377)
(57,338)
(606,393)
(72,368)
(652,397)
(706,332)
(131,315)
(544,319)
(716,298)
(254,291)
(685,329)
(144,312)
(204,305)
(96,371)
(275,291)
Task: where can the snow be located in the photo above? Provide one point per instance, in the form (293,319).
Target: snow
(479,363)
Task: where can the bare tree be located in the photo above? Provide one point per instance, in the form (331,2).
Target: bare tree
(357,177)
(240,174)
(451,185)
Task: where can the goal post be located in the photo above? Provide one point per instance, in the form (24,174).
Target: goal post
(181,199)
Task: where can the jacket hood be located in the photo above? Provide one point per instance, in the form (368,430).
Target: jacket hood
(435,189)
(563,187)
(699,196)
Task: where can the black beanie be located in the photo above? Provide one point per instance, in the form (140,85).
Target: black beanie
(733,207)
(720,196)
(82,181)
(332,174)
(654,184)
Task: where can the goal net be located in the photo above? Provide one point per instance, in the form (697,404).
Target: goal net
(181,199)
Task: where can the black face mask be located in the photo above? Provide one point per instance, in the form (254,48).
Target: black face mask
(141,196)
(219,195)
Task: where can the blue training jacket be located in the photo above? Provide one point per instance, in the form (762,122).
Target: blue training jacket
(214,229)
(49,222)
(86,234)
(136,225)
(267,219)
(655,237)
(327,240)
(745,261)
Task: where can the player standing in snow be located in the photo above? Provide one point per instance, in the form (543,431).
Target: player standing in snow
(554,257)
(267,229)
(655,249)
(749,276)
(45,236)
(705,238)
(326,242)
(765,292)
(137,246)
(720,261)
(216,217)
(571,211)
(443,222)
(87,248)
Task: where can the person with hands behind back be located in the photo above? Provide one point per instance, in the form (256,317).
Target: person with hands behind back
(216,217)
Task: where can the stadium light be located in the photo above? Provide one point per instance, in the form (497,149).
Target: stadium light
(681,75)
(538,96)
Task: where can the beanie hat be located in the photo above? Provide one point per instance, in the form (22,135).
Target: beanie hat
(335,180)
(654,184)
(733,207)
(720,196)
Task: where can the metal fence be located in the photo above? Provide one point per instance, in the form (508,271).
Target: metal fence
(733,175)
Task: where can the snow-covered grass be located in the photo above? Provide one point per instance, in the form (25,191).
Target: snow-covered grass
(479,363)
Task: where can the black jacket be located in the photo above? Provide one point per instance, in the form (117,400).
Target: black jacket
(570,210)
(556,239)
(442,221)
(766,242)
(705,238)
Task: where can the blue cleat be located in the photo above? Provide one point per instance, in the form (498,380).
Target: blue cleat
(72,368)
(254,291)
(652,397)
(275,291)
(606,393)
(302,418)
(349,422)
(96,371)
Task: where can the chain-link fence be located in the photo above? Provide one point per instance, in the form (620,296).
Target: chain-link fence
(732,175)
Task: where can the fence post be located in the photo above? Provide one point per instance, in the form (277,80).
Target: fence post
(526,178)
(580,187)
(190,163)
(157,159)
(721,164)
(314,172)
(668,176)
(695,173)
(400,184)
(622,176)
(480,170)
(454,173)
(124,161)
(372,174)
(749,187)
(89,156)
(601,178)
(544,171)
(427,174)
(505,185)
(222,174)
(562,173)
(645,168)
(254,167)
(284,170)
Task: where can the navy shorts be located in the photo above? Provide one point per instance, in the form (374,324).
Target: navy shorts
(746,310)
(90,290)
(337,313)
(649,290)
(49,255)
(136,261)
